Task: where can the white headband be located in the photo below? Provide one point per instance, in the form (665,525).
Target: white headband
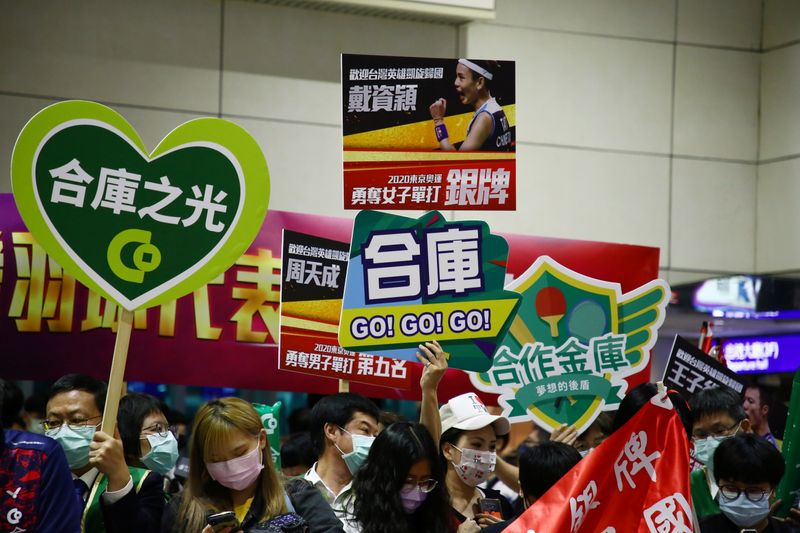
(480,70)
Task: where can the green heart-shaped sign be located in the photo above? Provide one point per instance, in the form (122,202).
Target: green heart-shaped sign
(142,229)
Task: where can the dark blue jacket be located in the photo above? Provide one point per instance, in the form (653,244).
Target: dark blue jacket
(36,489)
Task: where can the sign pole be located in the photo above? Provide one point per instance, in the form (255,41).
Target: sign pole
(344,385)
(116,379)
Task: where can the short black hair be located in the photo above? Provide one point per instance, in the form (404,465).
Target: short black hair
(133,409)
(604,423)
(638,396)
(81,382)
(338,409)
(174,417)
(540,467)
(634,400)
(11,405)
(297,451)
(748,458)
(707,402)
(300,420)
(36,403)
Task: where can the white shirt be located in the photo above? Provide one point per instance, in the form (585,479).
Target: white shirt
(108,497)
(343,504)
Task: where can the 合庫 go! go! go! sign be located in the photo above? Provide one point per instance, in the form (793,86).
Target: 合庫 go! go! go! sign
(571,345)
(414,280)
(140,228)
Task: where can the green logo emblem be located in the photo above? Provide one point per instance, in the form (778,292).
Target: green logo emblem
(140,228)
(571,345)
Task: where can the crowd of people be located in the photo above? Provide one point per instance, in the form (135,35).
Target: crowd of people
(355,469)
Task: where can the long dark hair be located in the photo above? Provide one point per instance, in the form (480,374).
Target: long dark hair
(378,508)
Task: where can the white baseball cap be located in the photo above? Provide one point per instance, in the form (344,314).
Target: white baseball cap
(468,412)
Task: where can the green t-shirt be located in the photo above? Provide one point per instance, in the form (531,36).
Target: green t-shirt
(704,505)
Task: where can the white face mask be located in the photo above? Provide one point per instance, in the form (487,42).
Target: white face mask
(475,466)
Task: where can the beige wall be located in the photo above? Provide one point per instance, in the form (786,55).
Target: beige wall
(778,211)
(639,121)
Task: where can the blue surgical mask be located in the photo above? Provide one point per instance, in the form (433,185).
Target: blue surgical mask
(75,442)
(586,452)
(361,445)
(704,449)
(163,453)
(742,511)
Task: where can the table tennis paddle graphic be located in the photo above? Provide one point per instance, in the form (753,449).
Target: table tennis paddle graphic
(551,307)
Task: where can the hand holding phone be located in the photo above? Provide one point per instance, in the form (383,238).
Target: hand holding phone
(221,521)
(490,506)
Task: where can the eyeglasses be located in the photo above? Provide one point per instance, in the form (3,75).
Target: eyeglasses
(426,485)
(754,494)
(721,433)
(157,429)
(75,423)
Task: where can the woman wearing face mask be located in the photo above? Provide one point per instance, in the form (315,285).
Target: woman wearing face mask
(747,470)
(400,488)
(146,436)
(467,447)
(231,470)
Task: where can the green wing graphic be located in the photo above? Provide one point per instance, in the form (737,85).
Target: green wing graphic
(641,312)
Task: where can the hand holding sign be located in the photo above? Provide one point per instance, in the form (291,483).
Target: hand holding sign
(434,359)
(139,228)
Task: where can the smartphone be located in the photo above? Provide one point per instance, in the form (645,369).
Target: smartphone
(490,506)
(220,521)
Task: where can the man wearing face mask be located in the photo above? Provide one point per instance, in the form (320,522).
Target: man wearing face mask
(343,427)
(113,497)
(747,470)
(718,416)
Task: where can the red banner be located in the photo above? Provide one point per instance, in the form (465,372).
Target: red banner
(636,481)
(414,185)
(224,334)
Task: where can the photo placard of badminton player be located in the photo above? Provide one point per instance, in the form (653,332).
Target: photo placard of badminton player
(489,128)
(428,133)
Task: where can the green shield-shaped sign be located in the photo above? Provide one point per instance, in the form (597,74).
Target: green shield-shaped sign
(571,344)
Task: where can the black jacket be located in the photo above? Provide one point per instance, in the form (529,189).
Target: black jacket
(136,512)
(307,502)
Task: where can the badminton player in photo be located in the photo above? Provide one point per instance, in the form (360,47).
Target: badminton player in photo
(489,129)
